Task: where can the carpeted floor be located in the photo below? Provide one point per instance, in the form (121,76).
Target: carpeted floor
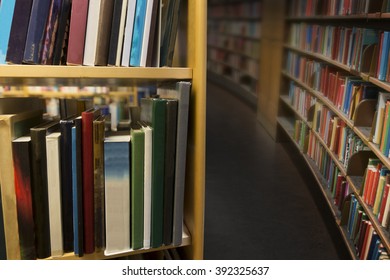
(262,202)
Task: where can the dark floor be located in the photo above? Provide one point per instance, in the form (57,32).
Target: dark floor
(262,202)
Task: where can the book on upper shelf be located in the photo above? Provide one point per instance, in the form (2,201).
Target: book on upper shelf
(77,29)
(116,33)
(17,39)
(138,33)
(91,33)
(6,14)
(61,41)
(150,30)
(128,32)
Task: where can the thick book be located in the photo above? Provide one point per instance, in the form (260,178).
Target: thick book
(128,32)
(40,186)
(21,151)
(170,20)
(91,33)
(7,8)
(77,29)
(104,32)
(18,34)
(98,167)
(151,17)
(147,183)
(67,184)
(138,32)
(87,118)
(36,31)
(169,168)
(77,187)
(153,112)
(117,160)
(116,33)
(61,41)
(12,126)
(54,191)
(137,186)
(51,32)
(180,91)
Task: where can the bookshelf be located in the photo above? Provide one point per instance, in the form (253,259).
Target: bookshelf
(305,108)
(190,65)
(233,43)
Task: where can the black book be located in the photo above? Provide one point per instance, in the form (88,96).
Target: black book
(40,187)
(62,34)
(66,183)
(114,36)
(36,31)
(169,163)
(18,34)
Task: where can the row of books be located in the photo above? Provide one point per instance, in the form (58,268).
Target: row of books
(80,187)
(301,130)
(242,28)
(345,91)
(339,138)
(250,9)
(366,241)
(361,232)
(335,7)
(375,190)
(300,99)
(361,49)
(93,33)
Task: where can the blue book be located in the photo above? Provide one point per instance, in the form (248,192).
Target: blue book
(77,189)
(374,240)
(36,31)
(352,212)
(7,8)
(139,24)
(384,56)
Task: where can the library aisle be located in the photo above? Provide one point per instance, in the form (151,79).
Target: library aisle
(252,209)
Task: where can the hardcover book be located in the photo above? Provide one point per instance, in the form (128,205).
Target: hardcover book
(104,32)
(151,17)
(117,160)
(54,191)
(40,186)
(12,126)
(180,91)
(61,42)
(138,32)
(36,31)
(91,33)
(116,37)
(77,29)
(128,32)
(6,14)
(17,38)
(21,151)
(137,186)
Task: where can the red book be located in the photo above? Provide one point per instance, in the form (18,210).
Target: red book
(77,28)
(364,246)
(87,118)
(374,186)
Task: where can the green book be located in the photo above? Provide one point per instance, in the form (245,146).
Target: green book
(153,112)
(137,187)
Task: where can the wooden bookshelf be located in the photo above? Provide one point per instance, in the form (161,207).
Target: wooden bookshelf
(287,114)
(189,64)
(233,46)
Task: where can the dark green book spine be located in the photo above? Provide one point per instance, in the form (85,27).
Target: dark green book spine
(137,188)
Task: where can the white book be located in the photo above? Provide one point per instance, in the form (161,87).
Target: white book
(117,193)
(54,192)
(91,35)
(121,33)
(128,36)
(147,185)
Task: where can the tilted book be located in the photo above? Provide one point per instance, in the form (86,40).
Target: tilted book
(21,150)
(128,32)
(117,161)
(138,32)
(12,126)
(17,38)
(36,31)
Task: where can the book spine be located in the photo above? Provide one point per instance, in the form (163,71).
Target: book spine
(114,34)
(91,32)
(61,42)
(138,32)
(104,32)
(128,36)
(6,14)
